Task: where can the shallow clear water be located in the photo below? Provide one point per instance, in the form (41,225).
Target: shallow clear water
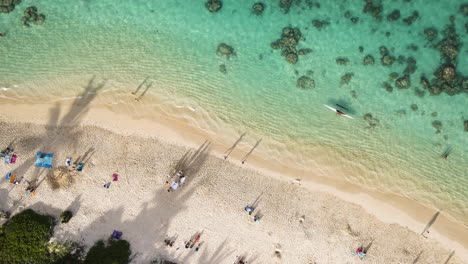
(174,44)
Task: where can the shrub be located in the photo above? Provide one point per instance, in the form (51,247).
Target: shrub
(116,252)
(25,238)
(65,216)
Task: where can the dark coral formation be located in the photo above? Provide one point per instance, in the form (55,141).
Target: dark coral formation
(285,5)
(411,66)
(345,79)
(305,83)
(414,107)
(258,8)
(6,6)
(409,20)
(465,124)
(431,33)
(464,9)
(412,47)
(32,17)
(386,59)
(354,20)
(447,79)
(342,61)
(224,50)
(392,76)
(419,93)
(290,38)
(388,87)
(437,125)
(403,82)
(213,5)
(222,68)
(319,24)
(374,8)
(368,60)
(361,49)
(394,15)
(373,122)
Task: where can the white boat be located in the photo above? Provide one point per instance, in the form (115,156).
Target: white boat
(336,111)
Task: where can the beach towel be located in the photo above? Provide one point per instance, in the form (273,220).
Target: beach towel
(12,178)
(80,166)
(44,160)
(115,176)
(7,159)
(8,176)
(116,235)
(13,159)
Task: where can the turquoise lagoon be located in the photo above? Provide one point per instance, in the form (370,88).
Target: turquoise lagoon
(173,43)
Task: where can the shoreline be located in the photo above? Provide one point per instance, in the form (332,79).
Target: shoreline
(388,208)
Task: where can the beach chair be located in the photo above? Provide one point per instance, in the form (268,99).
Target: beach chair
(13,159)
(117,235)
(80,166)
(8,176)
(12,178)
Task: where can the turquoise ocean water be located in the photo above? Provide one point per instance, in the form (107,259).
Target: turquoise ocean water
(174,44)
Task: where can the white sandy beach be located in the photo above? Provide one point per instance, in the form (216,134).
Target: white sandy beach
(310,220)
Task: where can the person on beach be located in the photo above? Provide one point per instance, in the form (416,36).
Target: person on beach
(68,161)
(182,179)
(198,246)
(338,112)
(249,209)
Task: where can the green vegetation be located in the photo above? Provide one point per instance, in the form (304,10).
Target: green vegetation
(116,252)
(66,216)
(25,237)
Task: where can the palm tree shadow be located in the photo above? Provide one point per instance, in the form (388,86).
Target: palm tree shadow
(220,254)
(58,132)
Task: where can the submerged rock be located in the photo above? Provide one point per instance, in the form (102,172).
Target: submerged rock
(414,107)
(319,24)
(446,72)
(465,124)
(411,66)
(305,83)
(393,76)
(222,68)
(30,16)
(388,87)
(374,9)
(437,125)
(213,5)
(431,33)
(304,51)
(292,58)
(387,60)
(403,82)
(368,60)
(258,8)
(464,9)
(394,15)
(290,38)
(419,93)
(345,79)
(409,20)
(342,61)
(354,20)
(224,50)
(6,6)
(285,5)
